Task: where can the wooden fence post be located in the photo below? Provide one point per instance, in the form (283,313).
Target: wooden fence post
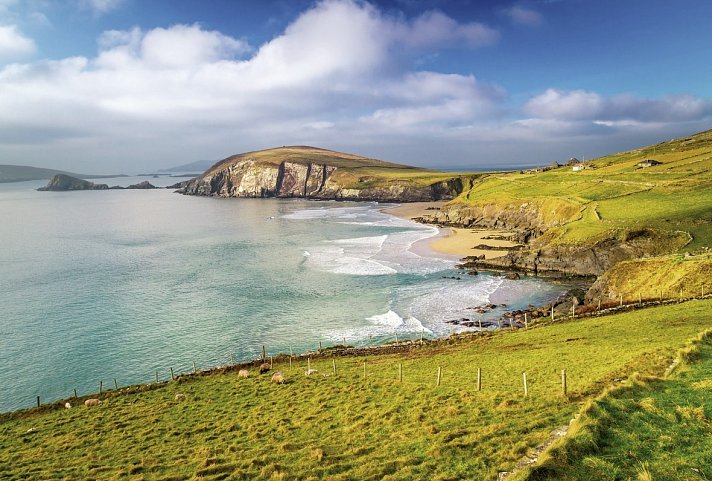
(640,298)
(271,360)
(101,386)
(563,381)
(439,374)
(524,379)
(156,376)
(480,323)
(320,346)
(422,331)
(479,379)
(75,394)
(172,376)
(116,385)
(526,323)
(396,332)
(599,303)
(194,369)
(621,299)
(38,401)
(552,311)
(264,355)
(290,351)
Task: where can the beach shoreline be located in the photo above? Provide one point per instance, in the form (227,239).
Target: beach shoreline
(455,242)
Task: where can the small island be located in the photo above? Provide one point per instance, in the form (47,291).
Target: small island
(63,183)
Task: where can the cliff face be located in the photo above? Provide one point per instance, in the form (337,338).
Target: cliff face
(314,180)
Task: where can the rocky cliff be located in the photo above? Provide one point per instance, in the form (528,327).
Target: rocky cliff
(319,174)
(62,182)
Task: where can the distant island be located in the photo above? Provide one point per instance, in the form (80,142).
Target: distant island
(63,183)
(23,173)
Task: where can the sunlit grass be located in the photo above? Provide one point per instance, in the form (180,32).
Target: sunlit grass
(343,426)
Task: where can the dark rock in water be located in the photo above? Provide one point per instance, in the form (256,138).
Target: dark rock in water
(472,273)
(142,185)
(514,276)
(62,182)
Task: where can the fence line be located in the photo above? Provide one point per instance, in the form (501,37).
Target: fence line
(603,309)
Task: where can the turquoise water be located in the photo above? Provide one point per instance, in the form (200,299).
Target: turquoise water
(98,285)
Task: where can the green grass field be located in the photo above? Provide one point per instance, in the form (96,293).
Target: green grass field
(613,196)
(651,429)
(346,427)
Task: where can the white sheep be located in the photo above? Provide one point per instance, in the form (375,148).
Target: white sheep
(243,373)
(92,402)
(278,378)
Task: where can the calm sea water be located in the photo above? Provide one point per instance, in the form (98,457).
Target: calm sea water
(121,284)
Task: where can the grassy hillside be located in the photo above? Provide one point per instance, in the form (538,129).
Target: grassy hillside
(346,427)
(650,278)
(614,197)
(651,429)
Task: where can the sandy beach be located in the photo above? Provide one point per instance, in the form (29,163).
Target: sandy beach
(455,241)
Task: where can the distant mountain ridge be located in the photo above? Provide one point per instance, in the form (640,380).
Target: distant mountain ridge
(22,173)
(192,167)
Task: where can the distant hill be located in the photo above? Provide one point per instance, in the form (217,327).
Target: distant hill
(22,173)
(197,166)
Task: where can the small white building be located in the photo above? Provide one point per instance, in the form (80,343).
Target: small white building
(577,167)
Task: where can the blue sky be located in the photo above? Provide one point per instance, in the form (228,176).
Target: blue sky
(127,85)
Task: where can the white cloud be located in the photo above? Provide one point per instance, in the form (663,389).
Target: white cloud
(434,28)
(525,16)
(585,105)
(13,44)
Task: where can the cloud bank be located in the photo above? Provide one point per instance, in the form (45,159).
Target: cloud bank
(342,75)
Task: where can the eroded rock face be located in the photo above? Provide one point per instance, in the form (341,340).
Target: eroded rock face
(248,178)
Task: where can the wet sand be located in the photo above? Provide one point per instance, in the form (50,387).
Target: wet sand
(454,241)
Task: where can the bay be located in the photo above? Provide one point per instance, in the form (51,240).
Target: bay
(121,284)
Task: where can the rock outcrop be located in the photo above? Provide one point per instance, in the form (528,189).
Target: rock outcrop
(62,182)
(315,175)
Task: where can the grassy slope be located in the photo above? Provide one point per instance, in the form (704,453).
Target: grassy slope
(667,276)
(652,429)
(342,427)
(352,170)
(616,196)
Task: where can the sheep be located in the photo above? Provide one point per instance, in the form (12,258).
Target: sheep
(243,373)
(278,378)
(180,397)
(264,367)
(92,402)
(309,372)
(67,405)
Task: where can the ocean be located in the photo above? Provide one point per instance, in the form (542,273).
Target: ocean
(124,284)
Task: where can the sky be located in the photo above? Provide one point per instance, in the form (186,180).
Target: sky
(128,86)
